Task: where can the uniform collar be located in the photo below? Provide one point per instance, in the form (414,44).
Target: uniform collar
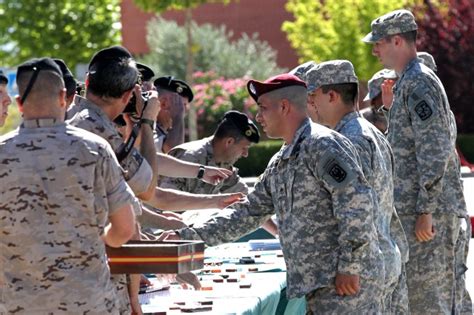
(85,103)
(409,65)
(348,117)
(42,123)
(293,147)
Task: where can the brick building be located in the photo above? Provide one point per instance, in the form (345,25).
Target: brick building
(243,16)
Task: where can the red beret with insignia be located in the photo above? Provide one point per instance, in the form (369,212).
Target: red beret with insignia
(258,88)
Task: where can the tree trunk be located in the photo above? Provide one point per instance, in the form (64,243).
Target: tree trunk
(189,74)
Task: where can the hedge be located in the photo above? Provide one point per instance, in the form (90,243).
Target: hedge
(466,144)
(259,156)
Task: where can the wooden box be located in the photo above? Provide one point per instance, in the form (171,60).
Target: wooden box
(156,257)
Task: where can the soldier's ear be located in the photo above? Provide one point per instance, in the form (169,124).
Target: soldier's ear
(229,141)
(62,97)
(20,105)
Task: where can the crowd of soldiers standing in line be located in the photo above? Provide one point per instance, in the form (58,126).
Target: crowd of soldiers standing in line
(369,222)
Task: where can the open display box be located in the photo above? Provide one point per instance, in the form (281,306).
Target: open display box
(156,257)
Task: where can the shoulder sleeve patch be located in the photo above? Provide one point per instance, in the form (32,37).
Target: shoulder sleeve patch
(421,105)
(334,171)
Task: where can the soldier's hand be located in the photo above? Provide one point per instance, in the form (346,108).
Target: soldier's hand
(214,175)
(225,200)
(174,224)
(169,236)
(347,284)
(387,92)
(189,278)
(424,229)
(153,107)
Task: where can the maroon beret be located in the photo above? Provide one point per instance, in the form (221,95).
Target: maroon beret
(258,88)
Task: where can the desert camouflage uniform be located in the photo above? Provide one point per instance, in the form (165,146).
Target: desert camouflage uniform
(59,185)
(137,171)
(201,152)
(422,132)
(324,210)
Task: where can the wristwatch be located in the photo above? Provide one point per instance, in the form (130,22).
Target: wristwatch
(149,122)
(201,171)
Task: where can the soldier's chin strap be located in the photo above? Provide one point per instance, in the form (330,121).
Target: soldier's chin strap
(32,81)
(126,148)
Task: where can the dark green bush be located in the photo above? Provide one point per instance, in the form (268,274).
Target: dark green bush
(466,144)
(259,156)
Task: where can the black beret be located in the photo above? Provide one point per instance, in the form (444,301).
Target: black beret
(145,71)
(244,124)
(37,64)
(177,86)
(3,77)
(68,78)
(258,88)
(109,54)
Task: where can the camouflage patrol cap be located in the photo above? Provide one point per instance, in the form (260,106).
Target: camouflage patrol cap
(331,72)
(3,77)
(176,86)
(427,59)
(301,70)
(374,84)
(258,88)
(395,22)
(246,126)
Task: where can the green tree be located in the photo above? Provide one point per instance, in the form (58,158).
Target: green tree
(333,29)
(245,56)
(158,6)
(69,29)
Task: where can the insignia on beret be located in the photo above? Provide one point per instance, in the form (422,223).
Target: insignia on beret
(243,124)
(423,110)
(252,88)
(174,85)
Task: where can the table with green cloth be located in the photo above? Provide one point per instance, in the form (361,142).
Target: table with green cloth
(266,277)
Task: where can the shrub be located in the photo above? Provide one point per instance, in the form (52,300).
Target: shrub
(213,50)
(259,156)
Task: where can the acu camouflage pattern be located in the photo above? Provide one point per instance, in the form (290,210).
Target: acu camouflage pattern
(422,132)
(301,70)
(88,116)
(59,185)
(392,23)
(427,59)
(201,152)
(331,72)
(377,165)
(324,210)
(375,83)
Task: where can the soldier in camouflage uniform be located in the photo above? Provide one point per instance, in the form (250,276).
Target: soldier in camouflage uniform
(428,189)
(231,141)
(333,85)
(111,82)
(323,204)
(60,186)
(5,99)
